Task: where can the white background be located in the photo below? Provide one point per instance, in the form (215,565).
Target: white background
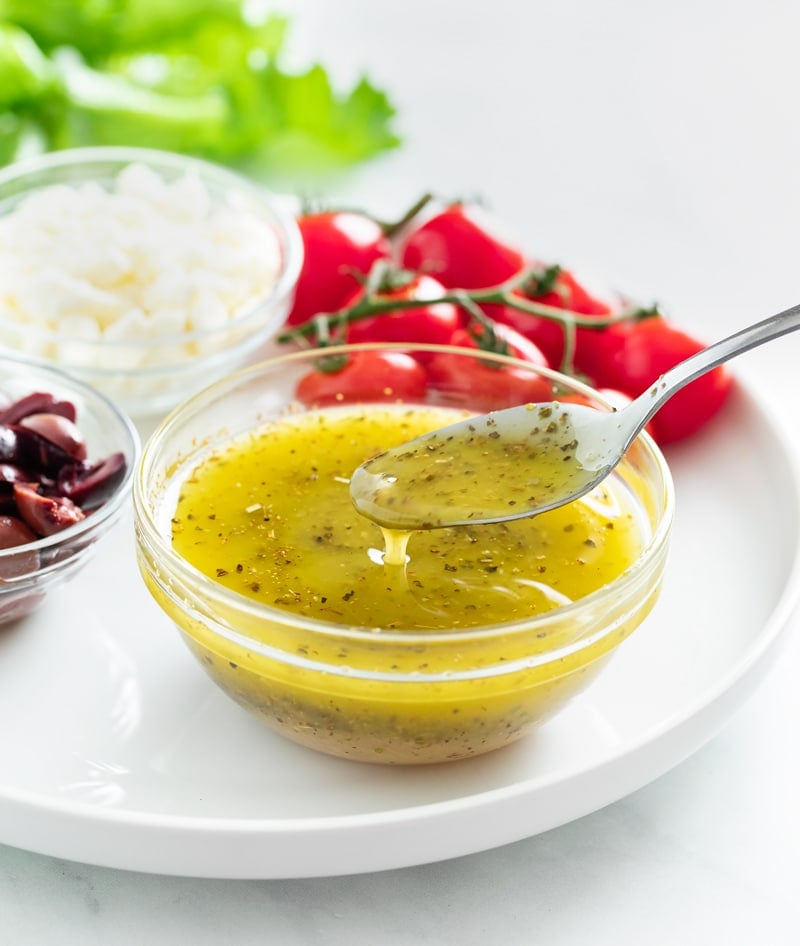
(655,144)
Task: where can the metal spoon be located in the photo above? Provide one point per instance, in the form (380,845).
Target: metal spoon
(524,460)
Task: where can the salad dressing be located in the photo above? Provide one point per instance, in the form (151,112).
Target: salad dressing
(270,517)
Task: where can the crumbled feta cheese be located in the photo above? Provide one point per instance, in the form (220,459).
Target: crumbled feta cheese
(150,262)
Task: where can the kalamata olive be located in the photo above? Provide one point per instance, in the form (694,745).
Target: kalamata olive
(45,514)
(46,484)
(13,533)
(90,485)
(39,402)
(59,430)
(9,473)
(29,450)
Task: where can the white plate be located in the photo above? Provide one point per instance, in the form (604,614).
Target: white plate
(115,749)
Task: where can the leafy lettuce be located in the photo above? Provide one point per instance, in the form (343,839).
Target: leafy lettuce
(203,78)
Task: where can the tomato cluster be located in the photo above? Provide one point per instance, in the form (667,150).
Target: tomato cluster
(449,278)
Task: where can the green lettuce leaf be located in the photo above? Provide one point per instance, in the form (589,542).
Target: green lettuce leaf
(26,74)
(96,27)
(201,78)
(104,109)
(314,128)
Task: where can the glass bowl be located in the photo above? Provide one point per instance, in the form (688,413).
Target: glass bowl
(146,274)
(29,572)
(380,691)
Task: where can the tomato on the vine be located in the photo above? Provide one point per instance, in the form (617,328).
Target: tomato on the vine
(630,356)
(365,376)
(563,291)
(490,385)
(458,246)
(336,245)
(432,324)
(508,342)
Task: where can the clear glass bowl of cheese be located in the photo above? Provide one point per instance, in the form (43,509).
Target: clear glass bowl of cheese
(146,274)
(247,538)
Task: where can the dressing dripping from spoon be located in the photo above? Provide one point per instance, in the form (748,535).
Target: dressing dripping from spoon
(549,453)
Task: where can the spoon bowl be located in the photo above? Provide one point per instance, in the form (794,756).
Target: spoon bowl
(538,454)
(528,459)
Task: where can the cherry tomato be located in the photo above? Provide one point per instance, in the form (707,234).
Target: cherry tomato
(365,376)
(432,323)
(459,248)
(630,356)
(489,386)
(565,293)
(336,244)
(516,344)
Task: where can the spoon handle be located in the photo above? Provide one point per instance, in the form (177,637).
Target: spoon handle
(688,370)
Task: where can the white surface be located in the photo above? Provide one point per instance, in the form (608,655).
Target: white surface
(654,144)
(147,766)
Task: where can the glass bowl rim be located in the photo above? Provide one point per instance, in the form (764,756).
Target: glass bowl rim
(148,531)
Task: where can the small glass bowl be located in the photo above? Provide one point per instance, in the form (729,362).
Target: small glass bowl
(146,348)
(28,573)
(378,695)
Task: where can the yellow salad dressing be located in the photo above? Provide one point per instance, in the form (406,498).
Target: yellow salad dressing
(269,516)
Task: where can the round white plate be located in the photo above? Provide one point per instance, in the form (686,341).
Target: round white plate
(116,749)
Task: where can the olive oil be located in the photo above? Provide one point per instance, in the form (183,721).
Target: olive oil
(270,517)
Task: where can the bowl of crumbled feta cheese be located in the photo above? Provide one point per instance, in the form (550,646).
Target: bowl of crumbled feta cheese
(145,274)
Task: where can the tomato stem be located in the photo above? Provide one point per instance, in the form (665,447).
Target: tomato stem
(390,229)
(323,327)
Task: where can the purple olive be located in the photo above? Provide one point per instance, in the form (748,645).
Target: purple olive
(46,482)
(29,450)
(58,430)
(39,402)
(9,473)
(45,515)
(90,485)
(13,533)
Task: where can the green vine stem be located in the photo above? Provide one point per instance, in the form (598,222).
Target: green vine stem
(322,328)
(390,228)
